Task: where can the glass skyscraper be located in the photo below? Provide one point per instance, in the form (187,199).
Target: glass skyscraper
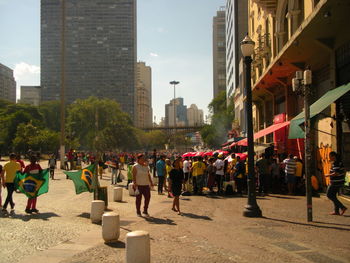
(100,50)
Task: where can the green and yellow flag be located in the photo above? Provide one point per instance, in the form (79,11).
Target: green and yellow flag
(32,185)
(83,179)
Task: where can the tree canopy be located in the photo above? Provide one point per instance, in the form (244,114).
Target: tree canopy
(222,116)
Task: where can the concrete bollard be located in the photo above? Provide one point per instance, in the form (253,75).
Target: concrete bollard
(97,209)
(138,247)
(118,194)
(131,189)
(110,227)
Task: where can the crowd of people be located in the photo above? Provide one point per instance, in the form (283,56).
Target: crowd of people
(177,175)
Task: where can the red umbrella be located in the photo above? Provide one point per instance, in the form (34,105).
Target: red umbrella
(243,156)
(208,154)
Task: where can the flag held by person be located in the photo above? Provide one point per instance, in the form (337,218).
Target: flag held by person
(83,179)
(32,185)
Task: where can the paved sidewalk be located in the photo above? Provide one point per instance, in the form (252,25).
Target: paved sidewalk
(212,229)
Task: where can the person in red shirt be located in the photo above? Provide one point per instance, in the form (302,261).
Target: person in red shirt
(18,159)
(32,168)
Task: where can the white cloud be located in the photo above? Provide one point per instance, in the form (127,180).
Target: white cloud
(26,75)
(23,69)
(160,30)
(153,54)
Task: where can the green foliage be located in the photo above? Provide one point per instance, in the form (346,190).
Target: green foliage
(100,125)
(215,134)
(51,112)
(152,139)
(37,139)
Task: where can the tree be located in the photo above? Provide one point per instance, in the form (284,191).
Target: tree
(215,134)
(100,125)
(51,112)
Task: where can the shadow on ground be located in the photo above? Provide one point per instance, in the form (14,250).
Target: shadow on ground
(190,215)
(118,244)
(160,221)
(311,224)
(28,217)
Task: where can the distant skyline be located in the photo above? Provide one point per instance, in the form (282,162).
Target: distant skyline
(174,38)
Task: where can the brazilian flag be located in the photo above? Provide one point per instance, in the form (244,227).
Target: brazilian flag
(32,185)
(83,179)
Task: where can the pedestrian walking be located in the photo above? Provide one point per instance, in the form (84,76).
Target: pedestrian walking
(142,182)
(337,180)
(210,170)
(52,166)
(32,168)
(129,171)
(263,168)
(219,174)
(239,175)
(168,168)
(161,173)
(7,177)
(175,184)
(290,170)
(186,170)
(198,170)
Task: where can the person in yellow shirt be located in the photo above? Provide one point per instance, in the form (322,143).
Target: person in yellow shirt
(168,168)
(298,174)
(198,169)
(7,177)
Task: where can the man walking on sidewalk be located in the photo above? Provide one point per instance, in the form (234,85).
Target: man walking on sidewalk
(7,177)
(161,172)
(337,177)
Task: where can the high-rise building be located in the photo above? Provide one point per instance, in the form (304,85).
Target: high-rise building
(195,116)
(236,29)
(219,52)
(100,50)
(7,84)
(144,114)
(180,112)
(31,95)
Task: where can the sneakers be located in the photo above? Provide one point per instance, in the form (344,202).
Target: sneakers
(4,210)
(139,214)
(35,211)
(343,211)
(334,213)
(145,214)
(28,211)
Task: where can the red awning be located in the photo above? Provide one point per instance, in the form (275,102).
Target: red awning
(261,133)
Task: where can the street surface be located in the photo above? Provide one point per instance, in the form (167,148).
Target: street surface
(212,229)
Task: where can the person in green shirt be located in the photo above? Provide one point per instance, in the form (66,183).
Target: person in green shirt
(129,171)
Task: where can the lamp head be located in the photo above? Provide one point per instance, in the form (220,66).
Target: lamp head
(174,82)
(247,46)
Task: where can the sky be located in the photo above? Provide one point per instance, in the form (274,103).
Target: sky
(174,38)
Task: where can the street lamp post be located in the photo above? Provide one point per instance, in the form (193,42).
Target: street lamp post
(302,85)
(251,209)
(174,82)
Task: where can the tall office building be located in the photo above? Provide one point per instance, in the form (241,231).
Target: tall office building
(236,29)
(144,113)
(180,113)
(195,116)
(219,52)
(31,95)
(100,50)
(7,84)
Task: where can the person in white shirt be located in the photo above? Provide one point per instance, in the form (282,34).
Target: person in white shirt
(219,174)
(186,169)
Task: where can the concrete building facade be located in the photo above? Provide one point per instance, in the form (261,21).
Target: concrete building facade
(180,113)
(7,84)
(194,116)
(290,36)
(219,52)
(144,113)
(31,95)
(100,50)
(236,29)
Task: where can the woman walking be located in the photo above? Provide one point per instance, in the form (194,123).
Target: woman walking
(32,168)
(175,183)
(337,178)
(142,181)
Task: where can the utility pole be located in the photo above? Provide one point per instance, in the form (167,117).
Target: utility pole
(174,82)
(302,85)
(63,102)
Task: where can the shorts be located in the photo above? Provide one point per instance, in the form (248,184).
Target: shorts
(290,178)
(187,176)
